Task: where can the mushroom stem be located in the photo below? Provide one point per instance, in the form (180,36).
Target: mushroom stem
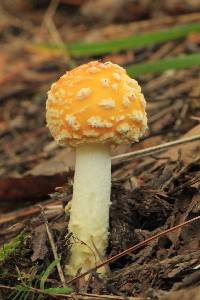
(89,216)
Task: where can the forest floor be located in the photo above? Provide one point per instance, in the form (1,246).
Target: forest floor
(150,193)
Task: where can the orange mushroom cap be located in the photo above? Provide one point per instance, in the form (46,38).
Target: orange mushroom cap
(96,103)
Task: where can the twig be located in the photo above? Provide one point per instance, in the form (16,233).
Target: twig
(182,115)
(55,254)
(154,149)
(165,263)
(109,297)
(107,269)
(181,172)
(133,248)
(162,51)
(166,110)
(28,211)
(195,118)
(186,184)
(2,286)
(48,21)
(32,289)
(81,296)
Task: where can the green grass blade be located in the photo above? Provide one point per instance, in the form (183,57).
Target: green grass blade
(40,297)
(11,295)
(27,295)
(180,62)
(17,295)
(137,41)
(133,42)
(37,281)
(36,285)
(23,295)
(64,290)
(12,246)
(33,296)
(47,273)
(22,288)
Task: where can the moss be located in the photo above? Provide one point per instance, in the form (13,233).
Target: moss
(13,245)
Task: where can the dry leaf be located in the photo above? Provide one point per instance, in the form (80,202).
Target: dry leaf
(28,188)
(39,238)
(188,150)
(61,163)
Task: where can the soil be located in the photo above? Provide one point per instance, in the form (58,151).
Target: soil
(149,194)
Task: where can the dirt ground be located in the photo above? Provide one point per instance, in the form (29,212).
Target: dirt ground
(150,194)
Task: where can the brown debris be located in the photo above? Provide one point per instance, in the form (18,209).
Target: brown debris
(183,294)
(149,194)
(39,238)
(29,187)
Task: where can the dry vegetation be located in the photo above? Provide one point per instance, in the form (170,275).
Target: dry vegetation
(150,194)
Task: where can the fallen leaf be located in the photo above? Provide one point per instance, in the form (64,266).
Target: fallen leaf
(39,238)
(61,163)
(183,294)
(28,188)
(188,150)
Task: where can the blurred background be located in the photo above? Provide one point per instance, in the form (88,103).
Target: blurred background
(157,41)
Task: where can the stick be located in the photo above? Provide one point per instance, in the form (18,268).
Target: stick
(80,296)
(151,150)
(55,254)
(131,249)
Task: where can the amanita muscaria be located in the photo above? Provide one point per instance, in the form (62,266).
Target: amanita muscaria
(90,108)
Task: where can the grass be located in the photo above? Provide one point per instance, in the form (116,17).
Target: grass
(83,49)
(133,42)
(159,66)
(10,247)
(30,287)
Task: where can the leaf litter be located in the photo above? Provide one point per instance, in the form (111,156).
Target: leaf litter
(149,195)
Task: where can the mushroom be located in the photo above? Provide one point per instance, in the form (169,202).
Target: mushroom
(90,108)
